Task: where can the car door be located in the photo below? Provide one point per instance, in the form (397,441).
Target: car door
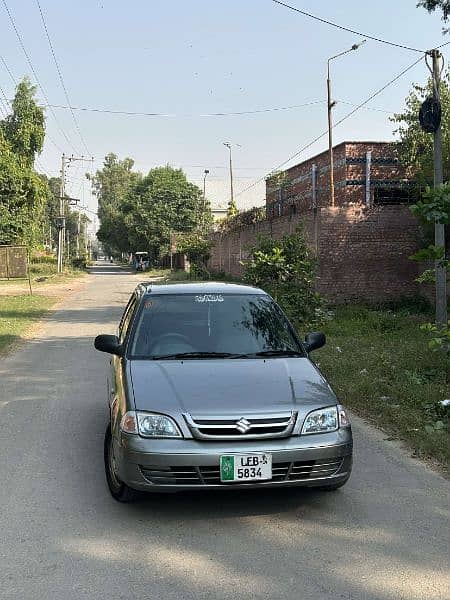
(117,397)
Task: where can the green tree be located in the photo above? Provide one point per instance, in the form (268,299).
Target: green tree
(24,128)
(161,203)
(23,192)
(416,146)
(22,195)
(232,209)
(113,185)
(432,5)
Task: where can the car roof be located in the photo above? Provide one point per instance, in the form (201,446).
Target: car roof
(207,287)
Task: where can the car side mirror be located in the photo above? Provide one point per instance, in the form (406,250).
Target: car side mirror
(109,344)
(314,340)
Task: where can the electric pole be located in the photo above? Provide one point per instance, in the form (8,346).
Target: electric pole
(61,219)
(77,239)
(439,228)
(65,162)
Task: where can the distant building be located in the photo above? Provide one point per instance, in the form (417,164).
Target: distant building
(218,213)
(365,173)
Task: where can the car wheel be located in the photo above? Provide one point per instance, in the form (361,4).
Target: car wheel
(119,490)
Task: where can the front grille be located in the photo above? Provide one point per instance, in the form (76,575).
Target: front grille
(210,475)
(249,427)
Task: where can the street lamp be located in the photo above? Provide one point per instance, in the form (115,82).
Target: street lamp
(229,146)
(205,173)
(330,104)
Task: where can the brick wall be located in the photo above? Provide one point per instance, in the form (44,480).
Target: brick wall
(292,190)
(362,252)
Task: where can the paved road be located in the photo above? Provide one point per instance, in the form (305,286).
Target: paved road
(385,536)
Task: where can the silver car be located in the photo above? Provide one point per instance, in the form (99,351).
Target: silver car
(210,388)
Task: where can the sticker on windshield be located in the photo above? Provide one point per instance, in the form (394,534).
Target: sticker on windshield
(209,298)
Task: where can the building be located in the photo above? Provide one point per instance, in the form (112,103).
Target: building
(362,244)
(365,173)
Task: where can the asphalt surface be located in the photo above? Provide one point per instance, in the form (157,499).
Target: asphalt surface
(384,536)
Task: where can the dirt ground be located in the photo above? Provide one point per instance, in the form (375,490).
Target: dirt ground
(55,288)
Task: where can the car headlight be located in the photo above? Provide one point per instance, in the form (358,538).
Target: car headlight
(321,421)
(157,426)
(150,425)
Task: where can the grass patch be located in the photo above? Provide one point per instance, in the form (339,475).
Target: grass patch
(47,272)
(380,366)
(17,314)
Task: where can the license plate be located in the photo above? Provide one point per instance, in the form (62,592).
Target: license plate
(245,467)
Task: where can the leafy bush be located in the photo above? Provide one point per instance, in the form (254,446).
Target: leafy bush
(197,249)
(79,262)
(434,207)
(243,219)
(286,270)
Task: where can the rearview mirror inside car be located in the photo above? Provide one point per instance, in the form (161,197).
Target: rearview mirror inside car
(314,340)
(109,344)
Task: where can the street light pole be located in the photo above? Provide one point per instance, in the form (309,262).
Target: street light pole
(330,104)
(205,173)
(228,145)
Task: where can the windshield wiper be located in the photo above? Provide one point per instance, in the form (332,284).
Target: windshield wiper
(196,355)
(269,353)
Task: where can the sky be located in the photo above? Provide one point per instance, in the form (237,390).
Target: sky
(189,58)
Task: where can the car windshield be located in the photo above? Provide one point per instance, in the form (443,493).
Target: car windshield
(211,325)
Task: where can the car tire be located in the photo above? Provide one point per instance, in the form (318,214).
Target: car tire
(119,490)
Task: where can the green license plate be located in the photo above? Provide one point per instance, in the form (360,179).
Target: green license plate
(246,467)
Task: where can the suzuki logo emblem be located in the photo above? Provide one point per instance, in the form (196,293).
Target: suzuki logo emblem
(243,425)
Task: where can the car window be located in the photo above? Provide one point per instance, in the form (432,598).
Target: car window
(228,323)
(126,319)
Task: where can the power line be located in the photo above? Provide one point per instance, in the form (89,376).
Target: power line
(39,165)
(61,77)
(365,35)
(22,45)
(347,116)
(9,72)
(155,114)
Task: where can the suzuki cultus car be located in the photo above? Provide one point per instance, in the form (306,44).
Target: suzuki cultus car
(211,388)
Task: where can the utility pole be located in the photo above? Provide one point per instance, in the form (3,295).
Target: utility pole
(61,223)
(66,161)
(78,234)
(439,228)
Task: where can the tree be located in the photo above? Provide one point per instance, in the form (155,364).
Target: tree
(24,128)
(161,203)
(432,5)
(232,209)
(23,191)
(112,185)
(416,146)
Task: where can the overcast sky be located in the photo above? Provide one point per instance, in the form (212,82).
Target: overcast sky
(186,58)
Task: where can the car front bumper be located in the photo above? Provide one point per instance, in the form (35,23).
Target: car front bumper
(177,465)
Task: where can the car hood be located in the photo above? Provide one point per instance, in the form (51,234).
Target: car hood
(225,387)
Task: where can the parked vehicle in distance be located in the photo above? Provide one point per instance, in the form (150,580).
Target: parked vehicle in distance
(211,388)
(141,261)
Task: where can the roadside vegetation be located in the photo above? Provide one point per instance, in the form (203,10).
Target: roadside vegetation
(18,314)
(379,364)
